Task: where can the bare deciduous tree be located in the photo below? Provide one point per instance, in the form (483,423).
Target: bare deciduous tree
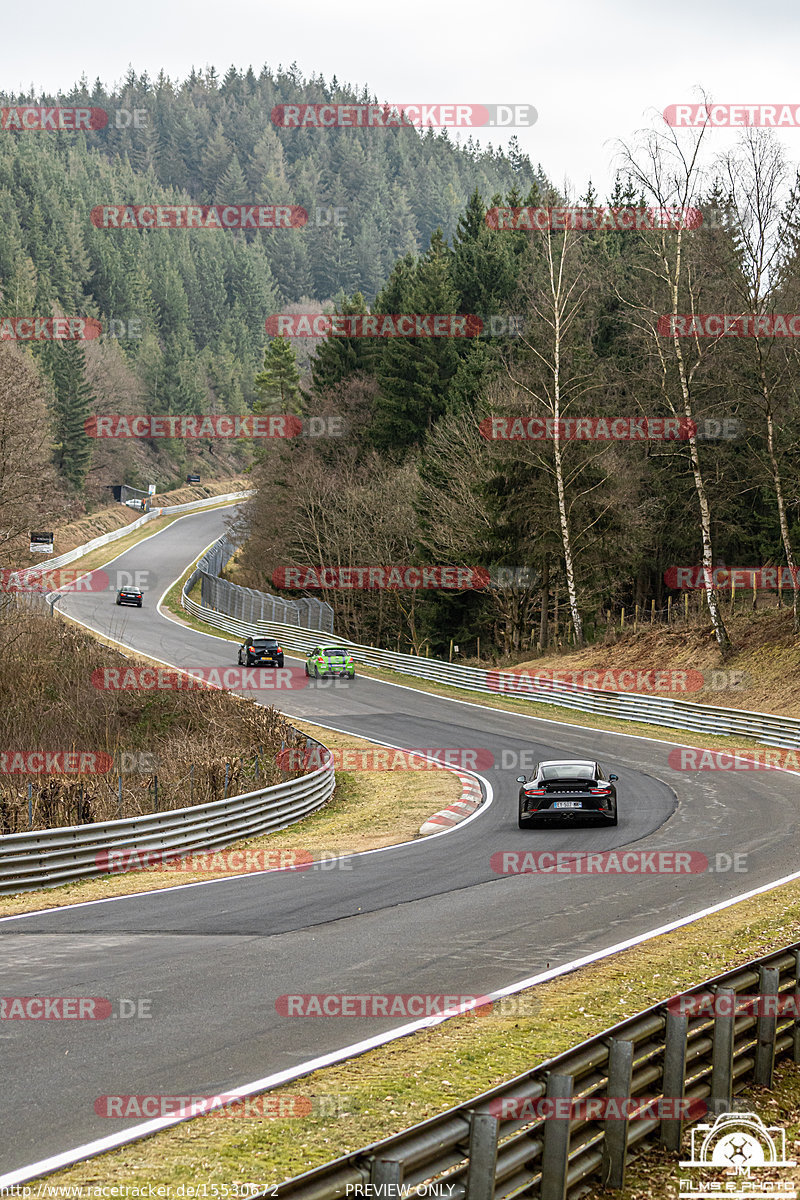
(671,177)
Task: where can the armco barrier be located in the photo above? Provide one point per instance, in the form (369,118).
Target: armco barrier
(49,857)
(766,728)
(106,538)
(248,604)
(33,600)
(474,1152)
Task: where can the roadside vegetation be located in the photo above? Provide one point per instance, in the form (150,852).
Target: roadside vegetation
(202,744)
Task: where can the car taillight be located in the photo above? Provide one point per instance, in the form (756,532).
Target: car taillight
(600,791)
(320,660)
(534,791)
(278,650)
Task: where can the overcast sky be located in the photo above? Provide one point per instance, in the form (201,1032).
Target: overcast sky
(594,69)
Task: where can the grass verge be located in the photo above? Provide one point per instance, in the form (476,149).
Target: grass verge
(387,1089)
(368,809)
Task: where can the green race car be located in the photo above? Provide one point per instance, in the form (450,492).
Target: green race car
(330,660)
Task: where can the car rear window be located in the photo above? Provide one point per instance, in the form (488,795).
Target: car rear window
(265,643)
(568,771)
(335,651)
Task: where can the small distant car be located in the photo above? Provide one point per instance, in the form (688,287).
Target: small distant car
(330,660)
(567,789)
(260,652)
(129,595)
(192,478)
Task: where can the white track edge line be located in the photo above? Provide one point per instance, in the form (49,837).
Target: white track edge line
(100,1145)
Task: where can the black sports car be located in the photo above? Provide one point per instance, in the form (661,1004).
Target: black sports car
(569,790)
(256,651)
(129,596)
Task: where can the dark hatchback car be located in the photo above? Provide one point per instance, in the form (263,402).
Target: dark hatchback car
(571,790)
(129,596)
(260,652)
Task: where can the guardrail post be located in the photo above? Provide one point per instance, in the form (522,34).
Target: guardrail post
(555,1151)
(766,1025)
(615,1130)
(796,1046)
(483,1131)
(674,1076)
(722,1053)
(386,1175)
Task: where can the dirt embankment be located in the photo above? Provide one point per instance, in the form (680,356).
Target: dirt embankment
(761,674)
(116,516)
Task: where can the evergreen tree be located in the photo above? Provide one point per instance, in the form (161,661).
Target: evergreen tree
(414,373)
(74,404)
(338,357)
(278,383)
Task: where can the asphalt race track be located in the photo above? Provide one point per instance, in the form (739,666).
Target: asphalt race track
(430,916)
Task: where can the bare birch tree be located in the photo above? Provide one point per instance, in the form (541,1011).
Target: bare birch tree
(672,178)
(760,210)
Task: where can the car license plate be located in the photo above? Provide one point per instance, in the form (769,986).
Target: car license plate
(568,804)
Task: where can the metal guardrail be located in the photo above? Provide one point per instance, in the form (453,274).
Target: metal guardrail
(106,538)
(50,857)
(765,728)
(248,604)
(482,1155)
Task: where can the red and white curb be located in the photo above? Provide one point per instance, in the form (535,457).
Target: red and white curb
(459,810)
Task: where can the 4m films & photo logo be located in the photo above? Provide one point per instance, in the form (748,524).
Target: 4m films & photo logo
(739,1143)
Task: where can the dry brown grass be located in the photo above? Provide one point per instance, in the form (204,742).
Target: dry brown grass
(368,809)
(56,708)
(765,649)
